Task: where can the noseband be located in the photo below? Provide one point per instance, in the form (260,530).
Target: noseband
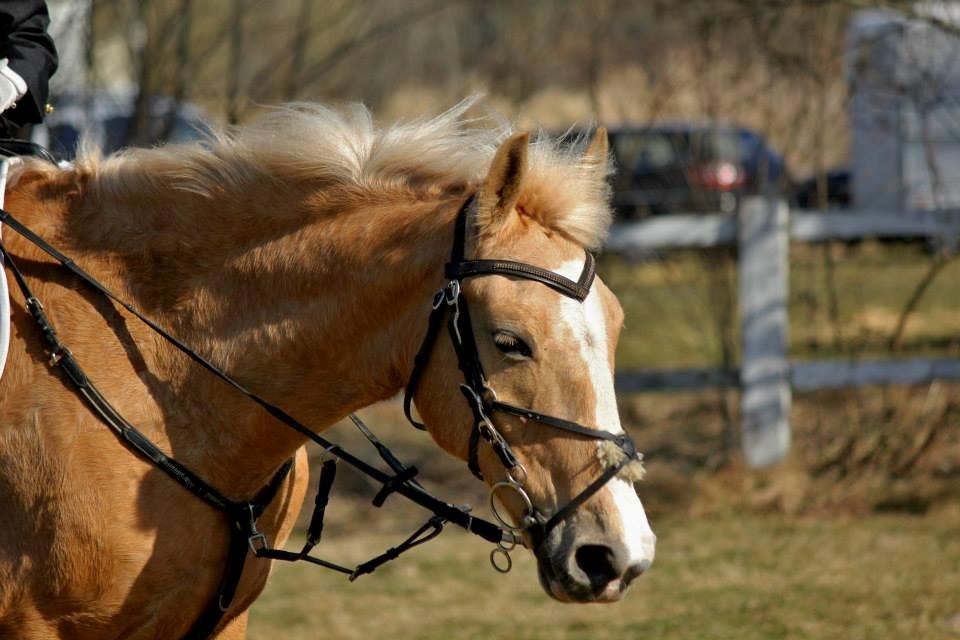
(483,400)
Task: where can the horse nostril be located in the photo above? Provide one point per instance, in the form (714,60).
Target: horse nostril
(598,562)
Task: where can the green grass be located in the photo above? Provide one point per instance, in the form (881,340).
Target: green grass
(674,306)
(744,577)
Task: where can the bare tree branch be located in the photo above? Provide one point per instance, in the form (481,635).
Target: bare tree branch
(313,72)
(235,64)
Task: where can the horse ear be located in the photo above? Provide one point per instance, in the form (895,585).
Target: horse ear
(597,153)
(502,186)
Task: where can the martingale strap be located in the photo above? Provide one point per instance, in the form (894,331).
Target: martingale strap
(242,516)
(415,493)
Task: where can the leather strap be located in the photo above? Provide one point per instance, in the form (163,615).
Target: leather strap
(429,530)
(134,439)
(558,423)
(435,321)
(242,517)
(243,529)
(577,290)
(415,493)
(421,359)
(480,398)
(204,626)
(580,498)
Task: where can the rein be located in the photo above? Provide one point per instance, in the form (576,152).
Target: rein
(242,516)
(450,302)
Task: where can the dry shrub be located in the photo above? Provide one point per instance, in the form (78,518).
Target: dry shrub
(854,451)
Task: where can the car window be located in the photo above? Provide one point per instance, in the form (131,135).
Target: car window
(657,151)
(646,149)
(726,146)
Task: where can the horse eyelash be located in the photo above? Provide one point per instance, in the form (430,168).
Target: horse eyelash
(506,340)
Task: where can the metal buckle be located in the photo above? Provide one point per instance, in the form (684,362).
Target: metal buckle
(478,403)
(58,355)
(452,298)
(452,292)
(255,536)
(448,294)
(257,543)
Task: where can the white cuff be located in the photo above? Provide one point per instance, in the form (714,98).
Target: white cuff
(13,77)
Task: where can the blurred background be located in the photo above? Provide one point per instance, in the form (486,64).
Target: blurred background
(833,124)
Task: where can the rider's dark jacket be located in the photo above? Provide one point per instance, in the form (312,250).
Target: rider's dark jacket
(30,51)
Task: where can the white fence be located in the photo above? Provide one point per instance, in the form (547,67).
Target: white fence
(762,231)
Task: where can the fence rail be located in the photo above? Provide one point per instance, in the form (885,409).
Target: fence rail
(711,229)
(762,231)
(804,376)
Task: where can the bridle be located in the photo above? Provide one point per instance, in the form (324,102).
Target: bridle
(450,302)
(242,515)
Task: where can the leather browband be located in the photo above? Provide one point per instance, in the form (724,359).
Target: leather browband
(577,290)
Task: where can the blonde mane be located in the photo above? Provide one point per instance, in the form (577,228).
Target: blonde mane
(344,148)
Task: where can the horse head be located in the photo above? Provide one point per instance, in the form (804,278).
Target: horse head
(536,413)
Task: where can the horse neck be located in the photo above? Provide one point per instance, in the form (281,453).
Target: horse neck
(317,306)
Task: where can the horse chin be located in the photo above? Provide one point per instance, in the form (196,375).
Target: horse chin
(550,584)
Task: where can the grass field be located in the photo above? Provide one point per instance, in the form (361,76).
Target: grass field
(874,553)
(678,307)
(746,577)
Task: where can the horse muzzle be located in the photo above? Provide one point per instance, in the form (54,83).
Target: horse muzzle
(578,566)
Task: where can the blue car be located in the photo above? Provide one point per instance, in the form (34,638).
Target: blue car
(685,168)
(106,118)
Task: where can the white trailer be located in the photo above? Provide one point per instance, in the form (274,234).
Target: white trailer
(904,77)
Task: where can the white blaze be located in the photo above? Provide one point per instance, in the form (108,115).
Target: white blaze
(588,324)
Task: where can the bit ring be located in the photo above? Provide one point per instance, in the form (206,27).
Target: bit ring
(528,505)
(501,566)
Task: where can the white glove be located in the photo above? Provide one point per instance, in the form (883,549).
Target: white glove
(12,86)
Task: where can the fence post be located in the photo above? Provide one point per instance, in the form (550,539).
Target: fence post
(763,242)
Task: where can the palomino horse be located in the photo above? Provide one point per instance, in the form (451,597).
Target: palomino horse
(301,254)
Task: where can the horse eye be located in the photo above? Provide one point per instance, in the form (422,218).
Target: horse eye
(512,345)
